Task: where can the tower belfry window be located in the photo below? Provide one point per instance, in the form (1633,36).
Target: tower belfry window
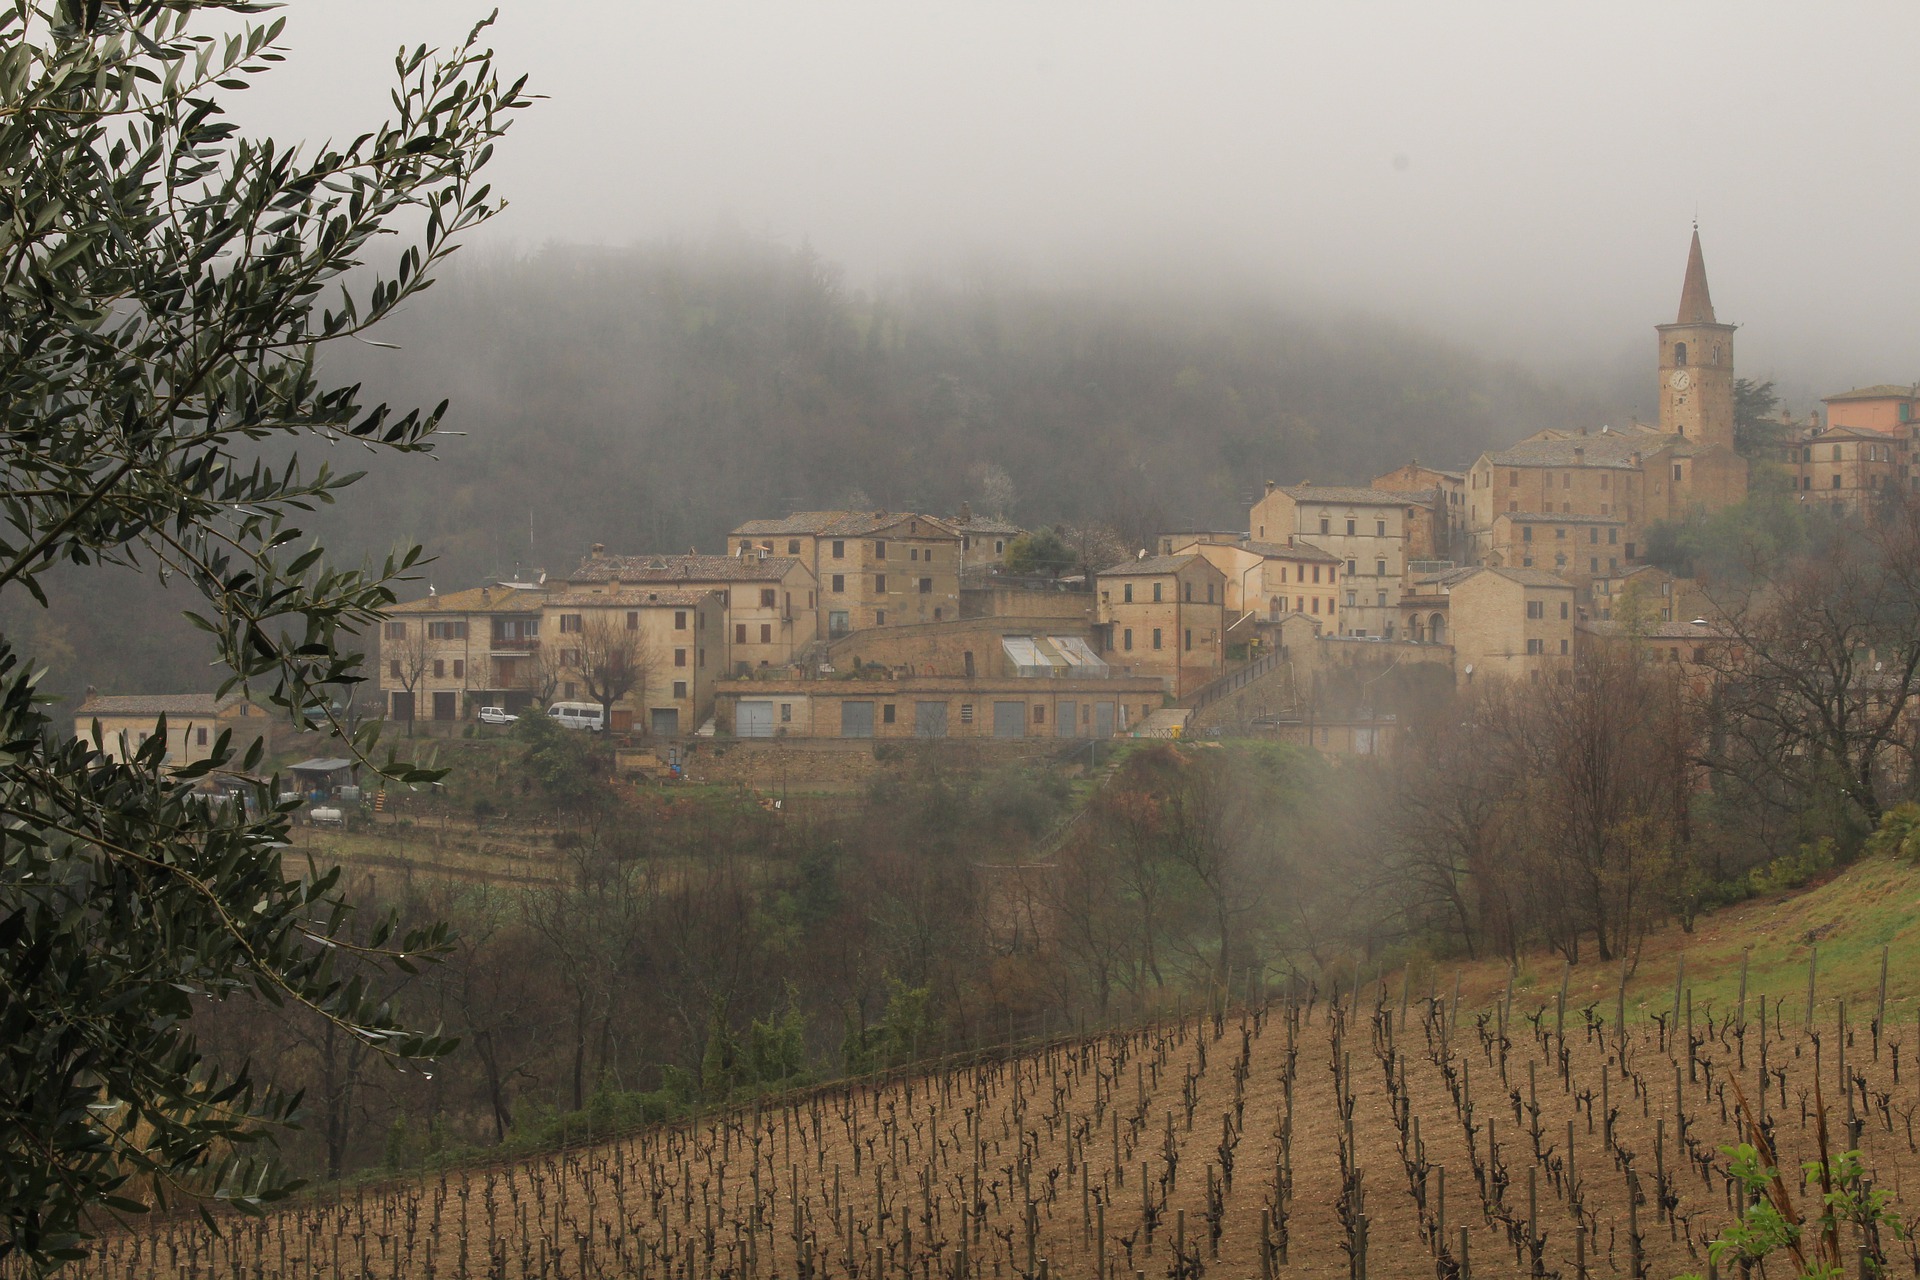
(1679,354)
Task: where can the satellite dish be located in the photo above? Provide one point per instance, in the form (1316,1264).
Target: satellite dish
(1701,622)
(1469,668)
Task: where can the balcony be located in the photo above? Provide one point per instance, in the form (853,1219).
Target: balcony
(509,646)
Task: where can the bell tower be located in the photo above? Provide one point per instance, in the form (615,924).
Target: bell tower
(1696,363)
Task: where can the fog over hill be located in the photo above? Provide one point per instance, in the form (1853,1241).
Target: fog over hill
(652,398)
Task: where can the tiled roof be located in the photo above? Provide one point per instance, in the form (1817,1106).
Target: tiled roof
(1879,391)
(1696,303)
(1658,631)
(1298,551)
(1350,495)
(842,524)
(1151,565)
(475,600)
(1601,449)
(1826,434)
(159,704)
(1525,577)
(1532,577)
(984,524)
(690,568)
(626,598)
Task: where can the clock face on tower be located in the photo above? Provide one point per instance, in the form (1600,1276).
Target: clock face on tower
(1680,380)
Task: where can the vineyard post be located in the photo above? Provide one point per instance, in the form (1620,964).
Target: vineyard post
(1453,1016)
(1466,1267)
(1580,1251)
(1846,1086)
(1880,1009)
(1693,1065)
(1266,1246)
(1813,969)
(1440,1206)
(1679,977)
(1620,1011)
(1100,1250)
(1406,983)
(1560,1009)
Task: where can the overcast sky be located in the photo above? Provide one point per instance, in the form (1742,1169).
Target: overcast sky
(1522,176)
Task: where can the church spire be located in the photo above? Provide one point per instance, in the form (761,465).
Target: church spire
(1696,304)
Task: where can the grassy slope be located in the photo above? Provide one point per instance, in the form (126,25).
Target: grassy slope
(1850,918)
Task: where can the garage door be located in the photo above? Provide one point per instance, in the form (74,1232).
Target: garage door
(1103,719)
(665,722)
(1065,723)
(1009,719)
(930,719)
(753,720)
(856,719)
(444,704)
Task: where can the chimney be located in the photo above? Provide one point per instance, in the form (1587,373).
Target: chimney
(1270,486)
(599,549)
(1580,452)
(1305,483)
(966,513)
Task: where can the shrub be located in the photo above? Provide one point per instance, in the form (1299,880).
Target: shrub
(1796,869)
(1898,835)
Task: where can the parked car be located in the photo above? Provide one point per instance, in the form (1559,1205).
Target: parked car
(579,715)
(496,715)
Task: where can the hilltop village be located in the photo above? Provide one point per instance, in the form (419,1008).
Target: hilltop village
(882,624)
(878,624)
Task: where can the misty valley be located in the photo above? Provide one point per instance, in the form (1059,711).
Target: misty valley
(709,756)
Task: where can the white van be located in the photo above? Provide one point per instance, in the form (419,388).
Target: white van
(579,715)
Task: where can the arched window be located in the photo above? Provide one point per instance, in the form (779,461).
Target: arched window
(1679,353)
(1437,628)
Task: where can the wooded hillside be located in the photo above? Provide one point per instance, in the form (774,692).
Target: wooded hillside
(651,398)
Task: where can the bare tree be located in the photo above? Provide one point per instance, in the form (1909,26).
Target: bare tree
(1450,787)
(1608,773)
(613,659)
(1814,694)
(549,669)
(408,656)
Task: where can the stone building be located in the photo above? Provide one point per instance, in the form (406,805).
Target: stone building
(1365,529)
(1438,528)
(769,602)
(1004,707)
(1640,474)
(1511,624)
(871,569)
(1577,548)
(1164,616)
(1887,408)
(1267,579)
(445,656)
(672,641)
(194,722)
(1849,468)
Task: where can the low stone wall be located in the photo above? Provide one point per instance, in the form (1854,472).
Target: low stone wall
(843,764)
